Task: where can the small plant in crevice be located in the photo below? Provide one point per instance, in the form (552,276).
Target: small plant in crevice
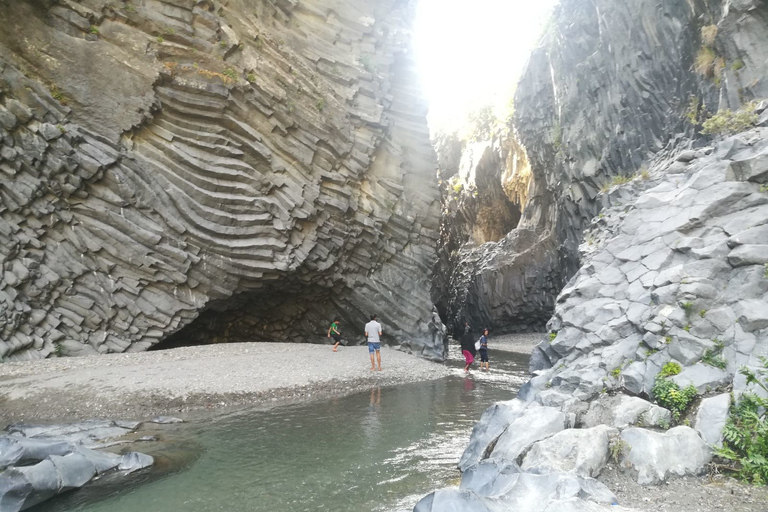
(251,77)
(728,122)
(745,435)
(737,65)
(664,423)
(552,336)
(320,105)
(667,339)
(93,30)
(687,307)
(617,448)
(765,272)
(687,328)
(669,369)
(703,313)
(130,8)
(616,372)
(160,39)
(230,73)
(708,34)
(713,356)
(223,44)
(57,349)
(644,174)
(669,395)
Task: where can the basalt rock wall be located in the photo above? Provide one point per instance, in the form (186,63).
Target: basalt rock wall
(247,169)
(610,84)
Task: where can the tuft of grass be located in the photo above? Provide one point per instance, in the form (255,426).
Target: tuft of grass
(618,448)
(61,128)
(170,31)
(667,339)
(57,349)
(737,65)
(130,8)
(727,122)
(230,73)
(251,77)
(160,39)
(765,273)
(320,105)
(93,30)
(687,307)
(644,174)
(708,34)
(705,62)
(616,372)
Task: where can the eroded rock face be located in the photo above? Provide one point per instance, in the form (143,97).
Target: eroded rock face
(610,85)
(267,163)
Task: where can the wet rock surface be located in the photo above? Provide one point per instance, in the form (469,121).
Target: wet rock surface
(256,168)
(38,462)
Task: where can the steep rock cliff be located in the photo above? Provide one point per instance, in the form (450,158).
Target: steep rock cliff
(267,160)
(609,85)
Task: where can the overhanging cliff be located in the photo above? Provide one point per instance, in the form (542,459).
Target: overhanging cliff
(609,85)
(269,161)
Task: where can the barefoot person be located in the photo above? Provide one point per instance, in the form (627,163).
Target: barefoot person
(484,350)
(373,335)
(333,332)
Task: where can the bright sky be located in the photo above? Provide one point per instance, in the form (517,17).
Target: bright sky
(471,53)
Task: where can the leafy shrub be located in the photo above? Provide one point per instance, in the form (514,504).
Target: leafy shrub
(746,432)
(669,369)
(727,122)
(669,395)
(230,73)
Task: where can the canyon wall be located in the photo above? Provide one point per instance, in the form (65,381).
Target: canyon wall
(609,85)
(247,170)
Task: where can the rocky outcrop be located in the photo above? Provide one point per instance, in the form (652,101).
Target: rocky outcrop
(248,170)
(610,85)
(39,462)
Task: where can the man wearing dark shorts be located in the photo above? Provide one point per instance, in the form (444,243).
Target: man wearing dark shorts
(334,333)
(484,350)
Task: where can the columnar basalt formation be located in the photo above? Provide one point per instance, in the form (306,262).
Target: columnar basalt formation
(608,86)
(268,161)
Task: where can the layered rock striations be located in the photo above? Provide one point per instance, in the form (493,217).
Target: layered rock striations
(267,161)
(609,86)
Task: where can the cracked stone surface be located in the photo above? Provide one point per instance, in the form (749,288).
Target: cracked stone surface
(256,168)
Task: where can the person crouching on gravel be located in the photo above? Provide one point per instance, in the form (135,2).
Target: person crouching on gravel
(373,335)
(484,350)
(333,332)
(468,348)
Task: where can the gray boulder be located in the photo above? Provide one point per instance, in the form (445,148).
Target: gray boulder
(580,451)
(622,411)
(44,480)
(711,418)
(535,424)
(492,424)
(134,461)
(454,500)
(656,456)
(14,490)
(703,377)
(74,470)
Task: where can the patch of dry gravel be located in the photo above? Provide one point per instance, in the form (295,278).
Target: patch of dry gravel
(142,384)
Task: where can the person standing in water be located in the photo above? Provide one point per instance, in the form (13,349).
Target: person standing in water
(468,347)
(373,335)
(333,332)
(484,350)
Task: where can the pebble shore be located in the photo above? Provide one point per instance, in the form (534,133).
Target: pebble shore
(142,384)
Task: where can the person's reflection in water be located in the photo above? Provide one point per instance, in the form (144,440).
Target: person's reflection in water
(469,384)
(371,421)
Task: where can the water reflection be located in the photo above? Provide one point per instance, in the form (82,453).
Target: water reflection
(380,450)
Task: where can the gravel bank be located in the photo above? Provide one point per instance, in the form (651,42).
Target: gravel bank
(143,384)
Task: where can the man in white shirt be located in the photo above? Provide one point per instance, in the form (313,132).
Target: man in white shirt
(373,335)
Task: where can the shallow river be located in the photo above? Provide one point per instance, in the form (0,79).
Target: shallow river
(373,451)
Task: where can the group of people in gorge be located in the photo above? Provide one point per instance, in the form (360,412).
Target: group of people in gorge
(469,347)
(372,336)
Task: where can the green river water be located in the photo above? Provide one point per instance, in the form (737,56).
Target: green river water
(379,450)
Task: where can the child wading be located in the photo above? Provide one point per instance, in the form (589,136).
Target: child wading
(484,350)
(333,332)
(468,347)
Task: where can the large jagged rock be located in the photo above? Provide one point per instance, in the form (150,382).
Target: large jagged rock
(251,168)
(610,84)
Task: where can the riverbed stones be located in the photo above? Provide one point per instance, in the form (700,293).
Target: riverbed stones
(655,456)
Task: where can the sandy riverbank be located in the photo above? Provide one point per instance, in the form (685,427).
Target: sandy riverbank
(140,385)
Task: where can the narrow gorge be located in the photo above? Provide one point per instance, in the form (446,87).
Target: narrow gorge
(180,173)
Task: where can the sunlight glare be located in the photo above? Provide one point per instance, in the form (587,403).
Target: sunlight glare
(471,54)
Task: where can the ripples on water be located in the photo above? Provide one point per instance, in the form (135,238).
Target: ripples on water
(380,451)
